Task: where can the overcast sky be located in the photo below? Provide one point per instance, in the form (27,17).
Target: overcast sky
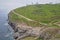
(9,4)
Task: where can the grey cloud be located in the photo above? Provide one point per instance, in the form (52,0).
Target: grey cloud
(9,4)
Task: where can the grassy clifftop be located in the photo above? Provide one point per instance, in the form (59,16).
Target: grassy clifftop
(40,13)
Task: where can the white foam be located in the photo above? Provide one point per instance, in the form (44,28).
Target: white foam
(7,35)
(6,24)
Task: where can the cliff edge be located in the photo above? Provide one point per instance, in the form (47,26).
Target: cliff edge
(36,22)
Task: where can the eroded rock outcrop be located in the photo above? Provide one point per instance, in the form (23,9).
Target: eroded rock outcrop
(22,31)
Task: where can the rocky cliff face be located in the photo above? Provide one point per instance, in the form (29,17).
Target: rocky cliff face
(22,31)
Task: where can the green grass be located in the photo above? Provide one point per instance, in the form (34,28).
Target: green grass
(45,13)
(29,38)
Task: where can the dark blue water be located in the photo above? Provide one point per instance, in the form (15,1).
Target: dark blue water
(6,31)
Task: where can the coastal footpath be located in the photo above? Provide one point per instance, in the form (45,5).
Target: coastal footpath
(26,28)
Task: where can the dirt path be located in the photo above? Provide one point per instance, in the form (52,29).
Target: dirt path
(27,18)
(22,16)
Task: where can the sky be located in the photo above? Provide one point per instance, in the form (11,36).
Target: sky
(10,4)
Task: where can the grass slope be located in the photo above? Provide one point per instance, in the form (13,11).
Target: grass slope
(45,13)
